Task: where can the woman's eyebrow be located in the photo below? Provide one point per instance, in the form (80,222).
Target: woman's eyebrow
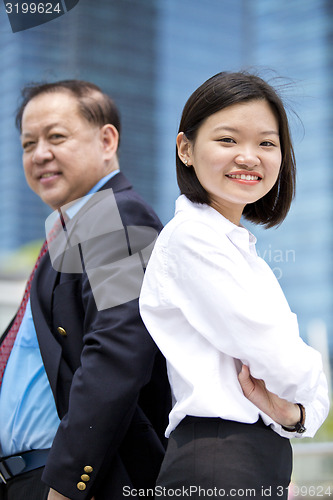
(232,129)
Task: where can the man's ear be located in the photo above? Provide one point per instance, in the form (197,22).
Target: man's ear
(110,139)
(184,148)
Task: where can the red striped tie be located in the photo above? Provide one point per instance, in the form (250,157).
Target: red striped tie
(8,342)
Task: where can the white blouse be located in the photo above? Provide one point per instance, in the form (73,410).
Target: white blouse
(210,303)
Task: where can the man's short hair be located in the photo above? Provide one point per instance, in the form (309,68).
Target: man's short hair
(94,106)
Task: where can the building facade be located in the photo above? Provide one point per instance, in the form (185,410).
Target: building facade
(150,55)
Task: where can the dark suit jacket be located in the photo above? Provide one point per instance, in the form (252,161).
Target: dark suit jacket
(108,378)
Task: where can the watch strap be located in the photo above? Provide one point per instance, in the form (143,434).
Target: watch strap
(299,427)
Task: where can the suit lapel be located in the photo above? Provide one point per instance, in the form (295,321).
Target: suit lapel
(41,294)
(41,300)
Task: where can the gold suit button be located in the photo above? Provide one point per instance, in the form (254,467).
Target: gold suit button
(62,331)
(85,477)
(88,469)
(81,486)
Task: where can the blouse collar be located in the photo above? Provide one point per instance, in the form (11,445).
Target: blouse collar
(239,235)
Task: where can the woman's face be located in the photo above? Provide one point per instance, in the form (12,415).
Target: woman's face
(236,155)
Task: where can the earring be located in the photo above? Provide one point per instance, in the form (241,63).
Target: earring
(185,163)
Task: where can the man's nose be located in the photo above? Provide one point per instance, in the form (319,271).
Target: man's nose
(42,152)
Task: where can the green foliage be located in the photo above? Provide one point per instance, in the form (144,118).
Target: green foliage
(324,434)
(19,263)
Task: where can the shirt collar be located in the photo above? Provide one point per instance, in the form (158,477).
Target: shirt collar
(73,209)
(239,235)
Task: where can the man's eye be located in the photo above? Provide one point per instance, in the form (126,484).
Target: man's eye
(27,145)
(56,137)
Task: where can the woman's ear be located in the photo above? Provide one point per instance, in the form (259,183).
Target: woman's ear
(184,148)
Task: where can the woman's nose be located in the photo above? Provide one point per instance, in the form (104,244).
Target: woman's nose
(247,157)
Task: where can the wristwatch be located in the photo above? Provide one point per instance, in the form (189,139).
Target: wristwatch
(299,427)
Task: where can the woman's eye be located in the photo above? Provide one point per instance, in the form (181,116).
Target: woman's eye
(227,140)
(267,144)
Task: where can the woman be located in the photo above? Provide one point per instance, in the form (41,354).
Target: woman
(242,378)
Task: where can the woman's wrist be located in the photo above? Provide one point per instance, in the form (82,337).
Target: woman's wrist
(297,426)
(292,415)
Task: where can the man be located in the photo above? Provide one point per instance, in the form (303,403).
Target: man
(108,380)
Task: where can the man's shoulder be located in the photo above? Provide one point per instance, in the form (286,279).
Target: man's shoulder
(110,210)
(133,209)
(119,182)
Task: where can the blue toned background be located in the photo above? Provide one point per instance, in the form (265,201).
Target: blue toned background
(149,55)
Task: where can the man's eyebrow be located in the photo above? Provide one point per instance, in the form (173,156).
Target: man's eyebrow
(46,129)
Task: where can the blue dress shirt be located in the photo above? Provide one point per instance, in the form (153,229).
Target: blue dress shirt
(28,416)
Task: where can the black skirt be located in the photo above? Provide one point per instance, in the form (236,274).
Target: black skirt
(216,458)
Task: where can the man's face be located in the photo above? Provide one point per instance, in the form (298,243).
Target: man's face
(64,155)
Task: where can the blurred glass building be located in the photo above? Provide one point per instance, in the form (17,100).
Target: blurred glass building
(149,55)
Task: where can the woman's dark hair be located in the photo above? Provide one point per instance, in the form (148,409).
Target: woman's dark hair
(219,92)
(94,106)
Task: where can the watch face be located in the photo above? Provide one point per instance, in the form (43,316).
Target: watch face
(299,428)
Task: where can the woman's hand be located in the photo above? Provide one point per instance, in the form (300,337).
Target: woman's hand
(280,410)
(54,495)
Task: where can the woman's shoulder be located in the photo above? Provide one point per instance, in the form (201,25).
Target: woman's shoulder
(188,228)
